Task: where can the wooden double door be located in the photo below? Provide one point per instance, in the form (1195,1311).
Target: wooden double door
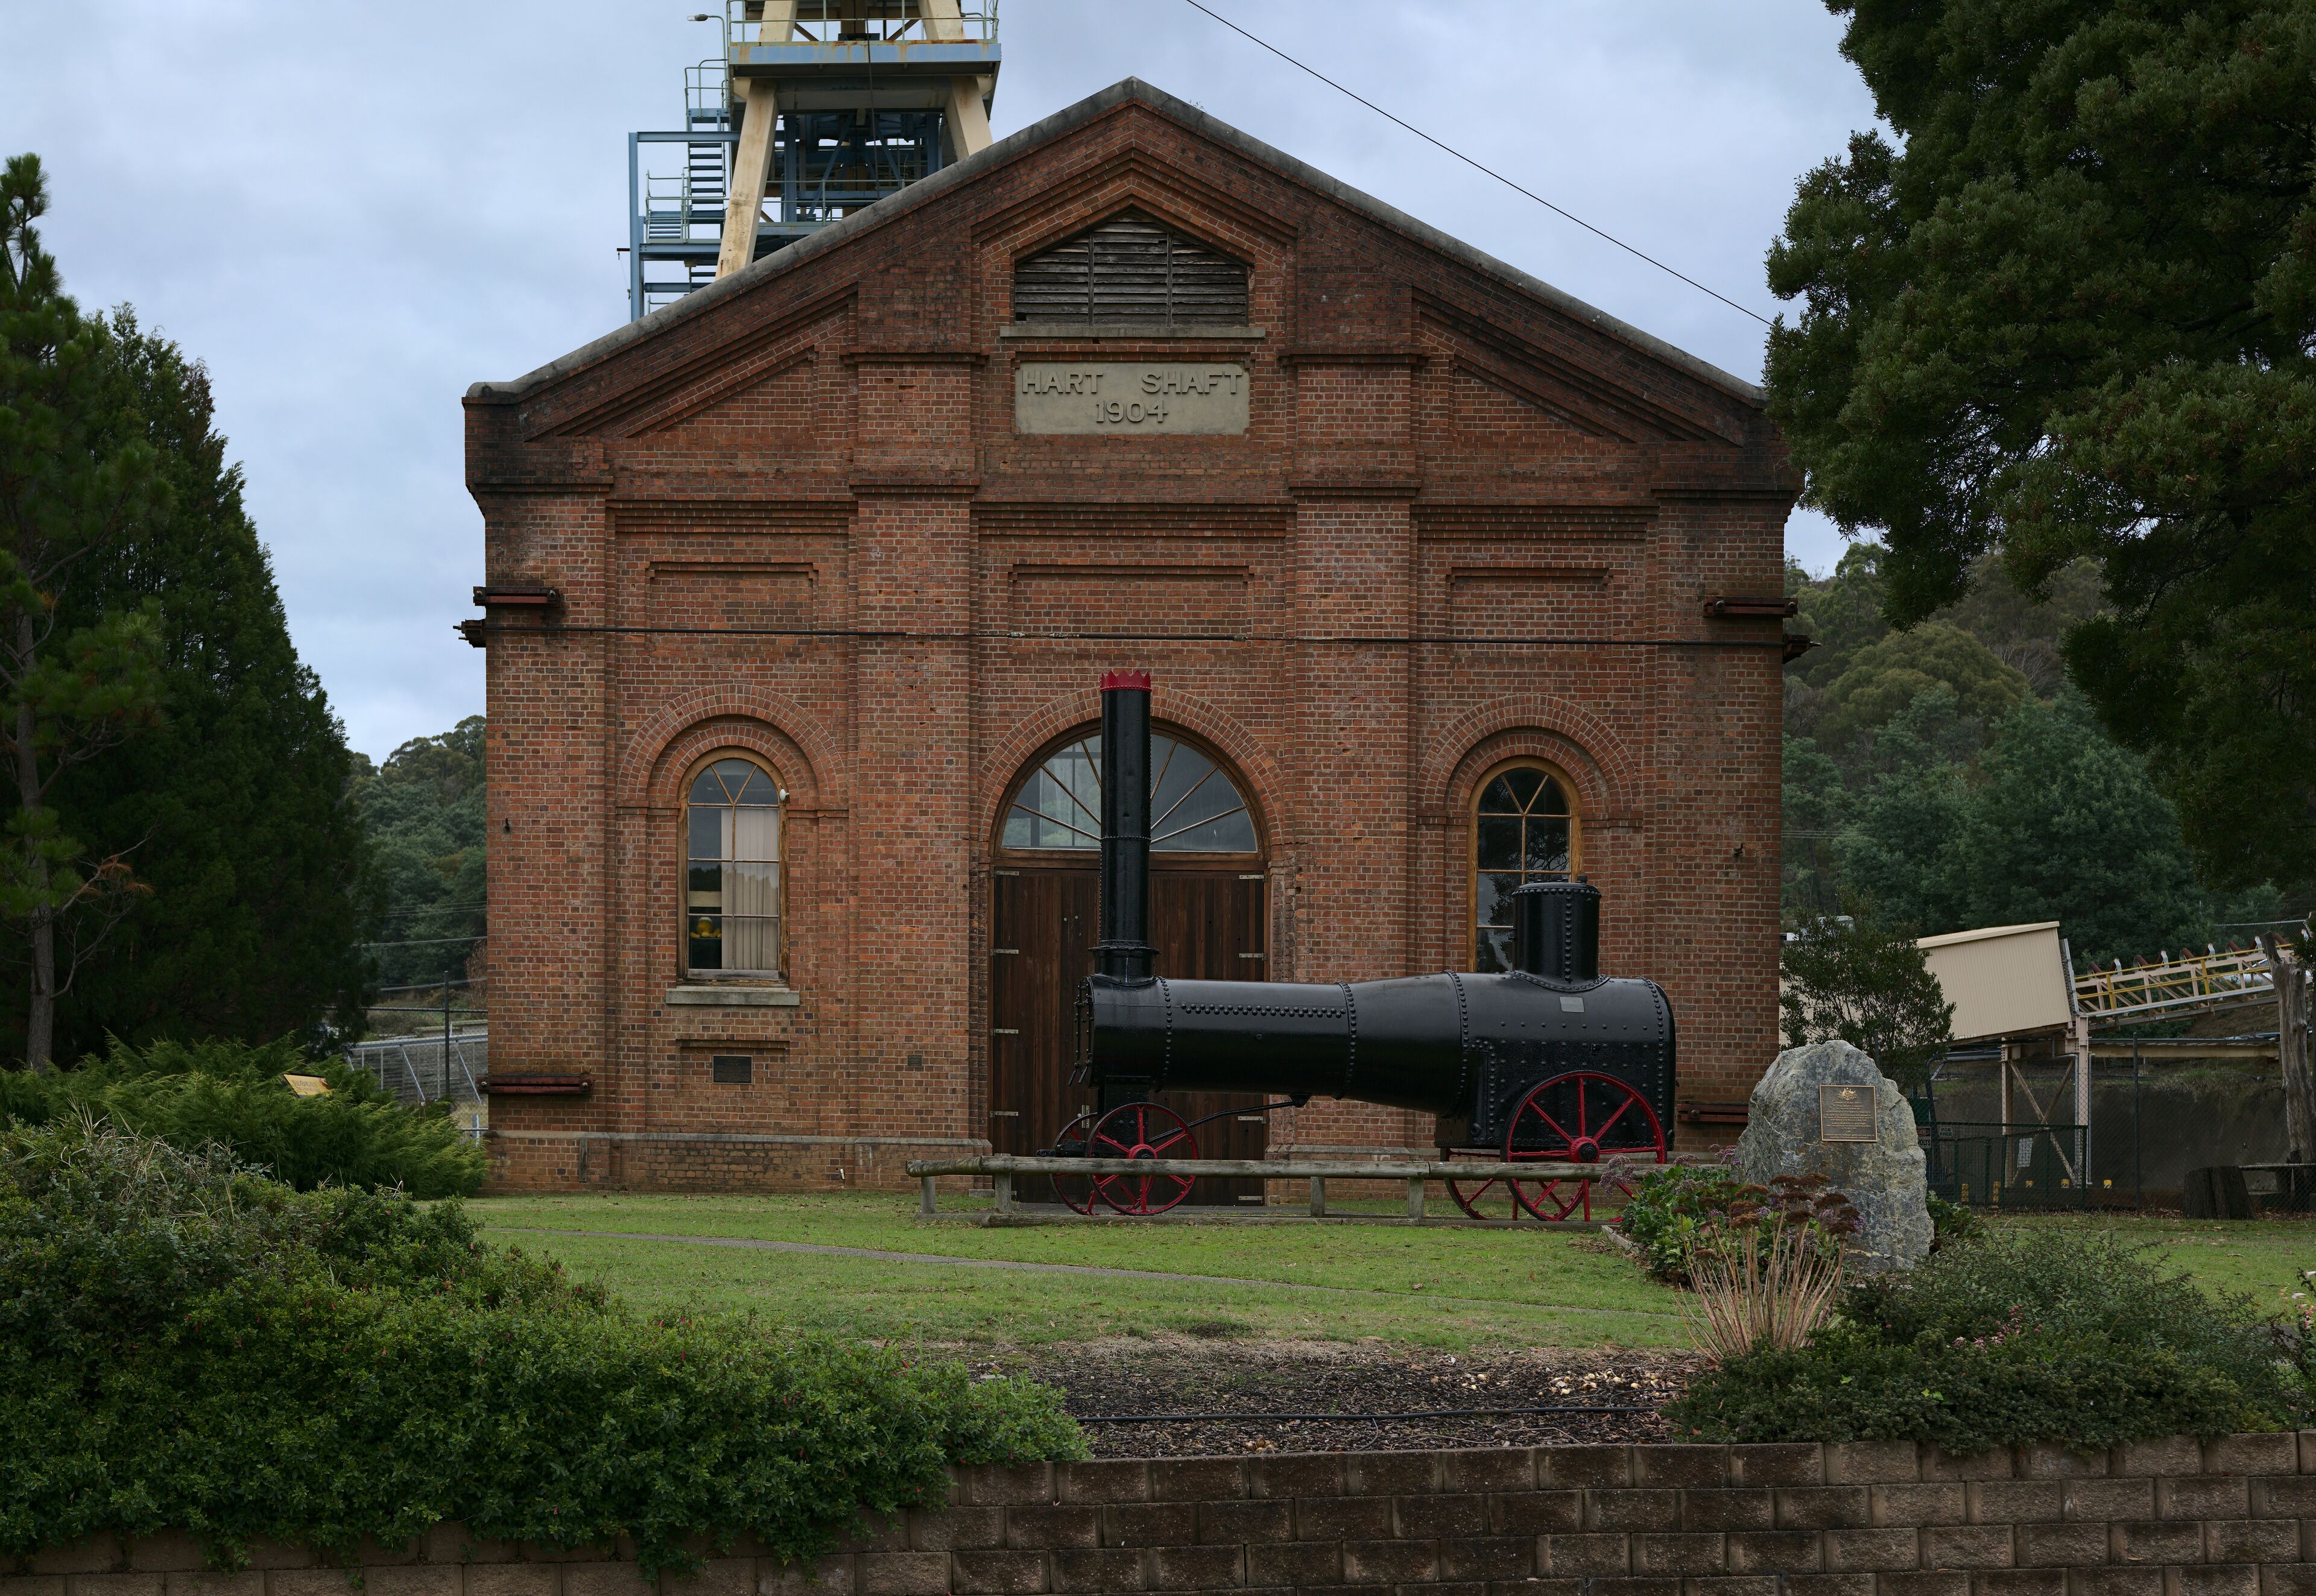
(1206,923)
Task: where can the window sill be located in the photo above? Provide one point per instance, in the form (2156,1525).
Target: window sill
(1143,333)
(734,997)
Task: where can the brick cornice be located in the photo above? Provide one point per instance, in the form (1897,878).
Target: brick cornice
(1320,355)
(913,357)
(916,487)
(1355,486)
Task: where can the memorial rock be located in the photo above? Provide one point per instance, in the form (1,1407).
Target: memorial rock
(1826,1109)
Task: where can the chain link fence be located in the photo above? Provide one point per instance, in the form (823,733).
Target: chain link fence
(423,1070)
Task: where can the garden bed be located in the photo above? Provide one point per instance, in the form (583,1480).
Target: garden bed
(1241,1397)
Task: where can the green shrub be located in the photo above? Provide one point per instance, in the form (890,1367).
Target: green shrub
(1951,1222)
(228,1093)
(186,1345)
(2033,1335)
(1665,1208)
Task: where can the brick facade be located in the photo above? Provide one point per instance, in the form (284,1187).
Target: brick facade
(2235,1516)
(790,516)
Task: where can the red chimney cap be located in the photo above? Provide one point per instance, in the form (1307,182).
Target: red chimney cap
(1137,681)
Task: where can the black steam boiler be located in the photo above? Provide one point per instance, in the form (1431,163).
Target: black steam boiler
(1549,1062)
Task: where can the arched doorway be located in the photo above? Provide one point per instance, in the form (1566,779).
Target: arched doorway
(1208,918)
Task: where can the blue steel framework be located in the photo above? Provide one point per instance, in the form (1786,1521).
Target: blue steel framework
(862,90)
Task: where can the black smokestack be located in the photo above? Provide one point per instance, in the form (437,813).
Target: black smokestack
(1124,953)
(1556,930)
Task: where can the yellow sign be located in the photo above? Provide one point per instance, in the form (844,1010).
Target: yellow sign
(308,1086)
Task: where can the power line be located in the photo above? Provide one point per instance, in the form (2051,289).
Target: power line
(1475,165)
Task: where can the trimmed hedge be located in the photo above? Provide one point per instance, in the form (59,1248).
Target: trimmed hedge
(232,1094)
(185,1345)
(2018,1337)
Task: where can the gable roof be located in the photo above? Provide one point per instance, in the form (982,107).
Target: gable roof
(1043,132)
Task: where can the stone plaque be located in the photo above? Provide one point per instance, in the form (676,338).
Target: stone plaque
(1826,1110)
(1847,1113)
(1143,399)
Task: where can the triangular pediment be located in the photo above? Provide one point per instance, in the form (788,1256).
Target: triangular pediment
(1104,198)
(782,402)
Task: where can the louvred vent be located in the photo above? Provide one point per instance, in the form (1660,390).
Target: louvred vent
(1131,269)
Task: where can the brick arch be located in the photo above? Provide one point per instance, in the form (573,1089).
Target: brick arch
(1580,740)
(769,723)
(1256,771)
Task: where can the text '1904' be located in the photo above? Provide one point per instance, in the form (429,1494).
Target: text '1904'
(1144,398)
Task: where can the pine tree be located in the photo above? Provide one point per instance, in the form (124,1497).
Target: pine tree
(239,803)
(75,678)
(218,848)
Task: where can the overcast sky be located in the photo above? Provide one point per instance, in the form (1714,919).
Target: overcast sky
(351,212)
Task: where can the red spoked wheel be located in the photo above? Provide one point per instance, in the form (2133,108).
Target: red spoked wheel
(1075,1190)
(1487,1199)
(1578,1117)
(1141,1131)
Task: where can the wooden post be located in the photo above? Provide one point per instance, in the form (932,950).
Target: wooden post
(926,1207)
(2291,1047)
(965,118)
(751,163)
(2080,1036)
(1318,1196)
(1415,1198)
(1004,1193)
(750,167)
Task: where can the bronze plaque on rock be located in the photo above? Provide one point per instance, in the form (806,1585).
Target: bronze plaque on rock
(1848,1114)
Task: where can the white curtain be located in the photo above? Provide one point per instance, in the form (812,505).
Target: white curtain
(752,889)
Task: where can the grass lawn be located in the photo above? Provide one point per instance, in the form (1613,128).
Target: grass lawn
(2261,1258)
(1440,1288)
(1415,1288)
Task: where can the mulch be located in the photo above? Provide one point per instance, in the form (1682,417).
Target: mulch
(1270,1396)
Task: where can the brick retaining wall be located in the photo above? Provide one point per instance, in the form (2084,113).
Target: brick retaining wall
(2233,1517)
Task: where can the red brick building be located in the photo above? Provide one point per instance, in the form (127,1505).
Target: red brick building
(801,590)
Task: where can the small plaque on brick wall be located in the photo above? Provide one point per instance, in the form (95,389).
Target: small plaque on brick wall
(1143,399)
(1848,1114)
(732,1070)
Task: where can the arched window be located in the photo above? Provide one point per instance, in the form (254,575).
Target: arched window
(1523,830)
(1194,807)
(732,873)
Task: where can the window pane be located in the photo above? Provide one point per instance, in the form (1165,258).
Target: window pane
(1499,799)
(751,942)
(1194,807)
(1499,842)
(705,883)
(706,943)
(1209,799)
(1493,952)
(1553,800)
(1496,899)
(756,834)
(707,825)
(757,788)
(1177,770)
(1523,784)
(705,788)
(1547,844)
(1226,834)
